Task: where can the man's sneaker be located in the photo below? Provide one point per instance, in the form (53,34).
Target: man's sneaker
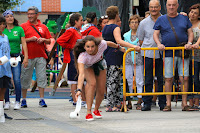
(7,106)
(89,117)
(17,106)
(42,103)
(23,104)
(97,114)
(83,103)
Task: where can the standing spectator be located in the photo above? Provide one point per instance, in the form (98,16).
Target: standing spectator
(130,37)
(145,34)
(103,20)
(182,27)
(90,28)
(36,41)
(67,40)
(16,37)
(113,56)
(194,14)
(5,69)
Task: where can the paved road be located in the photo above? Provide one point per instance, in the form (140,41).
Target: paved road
(55,119)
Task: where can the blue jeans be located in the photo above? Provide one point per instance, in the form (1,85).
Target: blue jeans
(149,80)
(196,80)
(16,71)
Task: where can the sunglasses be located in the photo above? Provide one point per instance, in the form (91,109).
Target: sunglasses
(104,17)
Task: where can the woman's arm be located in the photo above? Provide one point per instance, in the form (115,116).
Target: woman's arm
(24,45)
(114,45)
(117,36)
(81,78)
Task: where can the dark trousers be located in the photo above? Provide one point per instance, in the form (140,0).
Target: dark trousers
(196,79)
(149,80)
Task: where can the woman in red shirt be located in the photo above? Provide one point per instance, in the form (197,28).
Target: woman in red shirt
(90,28)
(67,40)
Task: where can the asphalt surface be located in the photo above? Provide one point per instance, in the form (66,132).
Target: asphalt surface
(55,119)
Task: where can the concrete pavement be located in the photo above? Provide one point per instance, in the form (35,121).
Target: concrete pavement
(55,119)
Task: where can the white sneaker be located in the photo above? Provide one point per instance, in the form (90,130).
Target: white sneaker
(17,106)
(7,106)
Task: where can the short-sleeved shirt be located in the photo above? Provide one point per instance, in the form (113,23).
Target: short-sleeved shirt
(14,37)
(145,33)
(5,69)
(180,23)
(35,49)
(89,60)
(112,55)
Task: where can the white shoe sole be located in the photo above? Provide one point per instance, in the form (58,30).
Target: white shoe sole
(97,117)
(89,119)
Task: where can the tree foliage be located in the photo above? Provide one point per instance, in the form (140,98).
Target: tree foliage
(9,4)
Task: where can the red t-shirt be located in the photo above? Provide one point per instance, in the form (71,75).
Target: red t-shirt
(34,49)
(67,40)
(94,31)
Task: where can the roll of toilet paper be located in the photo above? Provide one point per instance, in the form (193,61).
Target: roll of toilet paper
(74,115)
(4,59)
(14,61)
(78,104)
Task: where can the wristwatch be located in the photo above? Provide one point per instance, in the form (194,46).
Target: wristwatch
(78,90)
(190,43)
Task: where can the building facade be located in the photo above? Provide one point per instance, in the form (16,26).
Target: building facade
(48,9)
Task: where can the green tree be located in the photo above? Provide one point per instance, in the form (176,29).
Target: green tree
(9,4)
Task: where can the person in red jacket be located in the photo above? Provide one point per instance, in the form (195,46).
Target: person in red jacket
(90,28)
(67,40)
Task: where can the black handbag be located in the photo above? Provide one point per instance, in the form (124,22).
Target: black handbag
(182,44)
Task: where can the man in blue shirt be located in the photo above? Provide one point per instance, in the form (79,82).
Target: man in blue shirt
(183,29)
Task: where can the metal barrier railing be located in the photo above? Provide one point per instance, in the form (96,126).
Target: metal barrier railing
(125,94)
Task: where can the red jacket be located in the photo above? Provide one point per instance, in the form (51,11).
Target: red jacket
(94,31)
(67,40)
